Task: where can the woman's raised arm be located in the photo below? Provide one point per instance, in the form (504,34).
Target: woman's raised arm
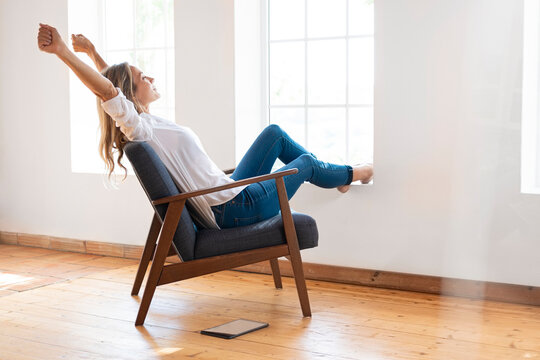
(82,44)
(50,41)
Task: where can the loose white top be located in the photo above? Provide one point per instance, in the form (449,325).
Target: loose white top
(180,150)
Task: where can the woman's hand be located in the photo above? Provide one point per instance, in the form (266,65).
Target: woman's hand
(49,40)
(82,44)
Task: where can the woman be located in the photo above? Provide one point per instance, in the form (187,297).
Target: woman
(124,95)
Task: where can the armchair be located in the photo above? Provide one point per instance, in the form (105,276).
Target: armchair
(204,251)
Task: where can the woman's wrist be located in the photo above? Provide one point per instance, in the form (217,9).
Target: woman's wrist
(63,52)
(91,50)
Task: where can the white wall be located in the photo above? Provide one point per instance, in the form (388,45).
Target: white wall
(204,42)
(446,198)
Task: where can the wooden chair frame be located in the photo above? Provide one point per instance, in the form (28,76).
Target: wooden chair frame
(159,245)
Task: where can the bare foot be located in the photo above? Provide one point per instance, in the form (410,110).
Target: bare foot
(362,173)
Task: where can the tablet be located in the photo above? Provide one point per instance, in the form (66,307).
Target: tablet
(234,328)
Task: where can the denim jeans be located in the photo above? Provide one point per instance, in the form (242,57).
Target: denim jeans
(259,201)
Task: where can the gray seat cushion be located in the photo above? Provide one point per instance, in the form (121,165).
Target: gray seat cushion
(211,242)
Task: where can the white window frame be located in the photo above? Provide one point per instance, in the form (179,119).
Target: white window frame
(266,75)
(164,84)
(78,161)
(530,130)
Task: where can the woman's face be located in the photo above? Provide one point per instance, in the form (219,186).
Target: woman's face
(145,90)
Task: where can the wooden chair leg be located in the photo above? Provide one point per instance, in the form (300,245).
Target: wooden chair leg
(174,211)
(275,271)
(147,254)
(299,279)
(294,249)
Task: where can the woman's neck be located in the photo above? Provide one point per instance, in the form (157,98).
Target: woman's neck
(145,109)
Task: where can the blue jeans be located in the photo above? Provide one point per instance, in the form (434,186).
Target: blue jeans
(259,201)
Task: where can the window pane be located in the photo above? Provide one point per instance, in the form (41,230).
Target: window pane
(117,57)
(169,7)
(152,63)
(287,73)
(360,135)
(361,17)
(119,24)
(326,72)
(170,82)
(286,19)
(361,69)
(292,121)
(326,18)
(326,134)
(151,24)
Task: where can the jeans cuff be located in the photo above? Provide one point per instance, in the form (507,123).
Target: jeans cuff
(349,179)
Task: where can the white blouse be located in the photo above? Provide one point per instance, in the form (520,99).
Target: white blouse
(180,150)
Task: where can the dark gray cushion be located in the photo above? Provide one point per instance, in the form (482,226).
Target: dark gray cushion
(211,242)
(157,183)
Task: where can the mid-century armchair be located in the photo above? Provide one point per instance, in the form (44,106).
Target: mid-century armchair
(204,251)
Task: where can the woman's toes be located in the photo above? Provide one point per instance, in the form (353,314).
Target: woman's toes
(363,173)
(368,174)
(343,188)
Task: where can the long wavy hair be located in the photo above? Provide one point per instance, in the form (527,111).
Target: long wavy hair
(112,139)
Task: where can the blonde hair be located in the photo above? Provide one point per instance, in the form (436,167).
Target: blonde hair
(112,139)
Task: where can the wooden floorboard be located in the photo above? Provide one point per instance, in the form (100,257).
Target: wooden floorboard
(62,305)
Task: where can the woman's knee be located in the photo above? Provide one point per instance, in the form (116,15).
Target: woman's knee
(273,130)
(307,159)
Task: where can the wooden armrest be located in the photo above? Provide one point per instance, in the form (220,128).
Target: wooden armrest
(247,181)
(229,171)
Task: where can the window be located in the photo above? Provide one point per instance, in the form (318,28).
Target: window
(320,75)
(137,31)
(530,138)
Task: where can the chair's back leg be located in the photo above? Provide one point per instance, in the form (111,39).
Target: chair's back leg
(172,217)
(275,271)
(147,254)
(294,249)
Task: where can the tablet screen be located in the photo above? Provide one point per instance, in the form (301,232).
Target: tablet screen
(234,328)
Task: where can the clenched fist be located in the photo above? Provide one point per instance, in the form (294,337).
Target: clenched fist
(82,44)
(49,40)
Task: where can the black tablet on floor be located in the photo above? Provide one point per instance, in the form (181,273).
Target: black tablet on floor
(234,328)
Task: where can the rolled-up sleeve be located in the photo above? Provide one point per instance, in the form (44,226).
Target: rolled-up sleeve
(127,118)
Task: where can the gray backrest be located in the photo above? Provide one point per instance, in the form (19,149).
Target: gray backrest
(157,183)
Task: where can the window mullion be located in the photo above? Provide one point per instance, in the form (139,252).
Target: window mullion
(321,38)
(166,80)
(103,27)
(134,14)
(347,82)
(306,74)
(265,66)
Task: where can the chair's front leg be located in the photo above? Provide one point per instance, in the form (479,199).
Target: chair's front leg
(147,254)
(172,217)
(294,249)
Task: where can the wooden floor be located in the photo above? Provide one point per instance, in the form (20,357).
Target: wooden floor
(61,305)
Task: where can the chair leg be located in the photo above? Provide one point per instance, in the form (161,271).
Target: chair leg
(174,211)
(299,279)
(275,271)
(294,249)
(147,254)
